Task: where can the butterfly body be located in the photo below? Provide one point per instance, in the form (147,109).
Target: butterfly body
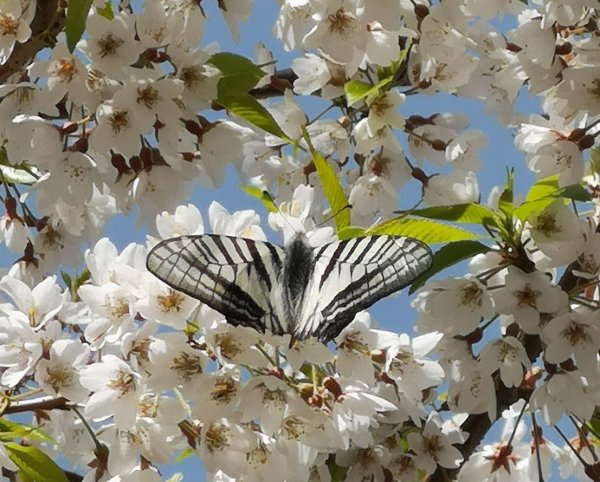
(296,275)
(297,289)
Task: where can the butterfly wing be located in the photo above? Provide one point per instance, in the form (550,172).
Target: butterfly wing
(238,277)
(353,274)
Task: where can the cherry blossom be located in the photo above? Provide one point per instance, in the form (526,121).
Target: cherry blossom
(526,295)
(16,16)
(116,388)
(432,447)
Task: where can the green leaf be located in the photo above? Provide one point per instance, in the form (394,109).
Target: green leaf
(357,90)
(594,424)
(542,188)
(77,13)
(34,463)
(350,232)
(576,192)
(106,11)
(528,208)
(448,256)
(83,277)
(390,70)
(184,455)
(243,70)
(22,174)
(461,213)
(238,76)
(429,232)
(507,197)
(548,187)
(11,430)
(8,425)
(334,192)
(251,110)
(545,192)
(66,278)
(262,196)
(336,472)
(309,371)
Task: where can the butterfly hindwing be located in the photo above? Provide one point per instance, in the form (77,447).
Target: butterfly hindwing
(235,276)
(353,274)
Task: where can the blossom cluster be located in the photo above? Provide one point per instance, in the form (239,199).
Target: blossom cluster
(130,373)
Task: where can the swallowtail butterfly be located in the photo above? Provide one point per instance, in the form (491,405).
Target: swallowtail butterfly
(296,289)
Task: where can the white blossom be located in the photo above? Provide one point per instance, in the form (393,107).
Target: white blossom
(14,26)
(116,388)
(526,295)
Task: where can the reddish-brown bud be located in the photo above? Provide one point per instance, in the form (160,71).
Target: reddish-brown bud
(344,121)
(68,128)
(421,11)
(475,336)
(10,203)
(418,120)
(150,54)
(576,134)
(29,255)
(568,365)
(593,471)
(280,83)
(187,156)
(80,145)
(438,145)
(309,168)
(136,163)
(586,142)
(378,356)
(564,49)
(193,127)
(420,175)
(333,386)
(513,329)
(513,47)
(146,158)
(424,84)
(377,167)
(119,162)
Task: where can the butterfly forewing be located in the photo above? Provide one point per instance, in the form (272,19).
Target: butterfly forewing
(353,274)
(238,277)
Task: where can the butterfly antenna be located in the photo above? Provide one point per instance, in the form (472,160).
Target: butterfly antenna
(332,216)
(267,195)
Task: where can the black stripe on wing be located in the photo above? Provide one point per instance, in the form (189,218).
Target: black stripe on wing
(231,275)
(362,271)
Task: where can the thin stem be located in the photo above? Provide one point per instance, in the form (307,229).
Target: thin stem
(584,438)
(97,442)
(538,457)
(266,355)
(573,449)
(512,435)
(322,113)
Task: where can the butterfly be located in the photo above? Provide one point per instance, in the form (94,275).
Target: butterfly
(298,289)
